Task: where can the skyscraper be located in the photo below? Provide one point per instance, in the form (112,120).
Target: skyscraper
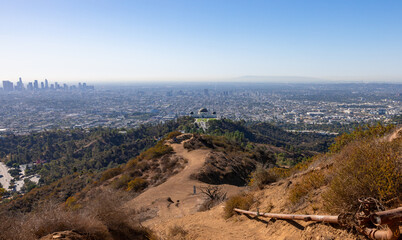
(8,86)
(20,85)
(46,84)
(30,86)
(36,85)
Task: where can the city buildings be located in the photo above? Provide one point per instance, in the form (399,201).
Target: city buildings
(8,86)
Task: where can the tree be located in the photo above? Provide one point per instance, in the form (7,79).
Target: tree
(2,192)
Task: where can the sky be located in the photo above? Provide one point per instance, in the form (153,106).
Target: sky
(200,40)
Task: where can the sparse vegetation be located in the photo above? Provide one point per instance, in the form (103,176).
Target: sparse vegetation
(177,231)
(242,201)
(261,176)
(308,183)
(103,218)
(213,194)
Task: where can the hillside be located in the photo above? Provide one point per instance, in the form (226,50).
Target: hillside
(306,191)
(156,189)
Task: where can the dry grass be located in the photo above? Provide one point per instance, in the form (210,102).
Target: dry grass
(308,183)
(102,218)
(366,169)
(261,177)
(242,201)
(177,231)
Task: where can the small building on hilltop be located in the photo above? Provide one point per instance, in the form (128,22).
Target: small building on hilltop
(202,117)
(203,113)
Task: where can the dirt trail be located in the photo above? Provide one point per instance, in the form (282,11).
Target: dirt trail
(211,225)
(178,188)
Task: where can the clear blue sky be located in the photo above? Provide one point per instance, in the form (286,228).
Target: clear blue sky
(115,40)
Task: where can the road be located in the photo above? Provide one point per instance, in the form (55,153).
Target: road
(5,180)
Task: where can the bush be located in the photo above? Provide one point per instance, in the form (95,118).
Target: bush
(242,201)
(137,185)
(366,169)
(369,132)
(156,151)
(121,182)
(72,204)
(132,163)
(309,182)
(110,173)
(260,177)
(2,192)
(214,195)
(174,134)
(102,218)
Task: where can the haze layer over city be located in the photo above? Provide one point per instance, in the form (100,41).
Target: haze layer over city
(296,105)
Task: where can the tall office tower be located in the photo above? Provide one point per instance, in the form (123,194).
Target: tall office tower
(52,86)
(8,86)
(30,86)
(65,87)
(20,85)
(79,85)
(56,85)
(84,85)
(36,85)
(42,85)
(46,84)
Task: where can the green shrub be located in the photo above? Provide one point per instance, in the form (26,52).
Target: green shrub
(121,182)
(366,169)
(137,185)
(110,173)
(2,192)
(156,151)
(72,204)
(242,201)
(174,134)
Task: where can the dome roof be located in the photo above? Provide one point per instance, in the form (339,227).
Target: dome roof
(203,110)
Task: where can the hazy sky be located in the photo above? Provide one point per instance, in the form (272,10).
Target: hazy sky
(115,40)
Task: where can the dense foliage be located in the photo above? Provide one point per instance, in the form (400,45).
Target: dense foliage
(266,133)
(62,152)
